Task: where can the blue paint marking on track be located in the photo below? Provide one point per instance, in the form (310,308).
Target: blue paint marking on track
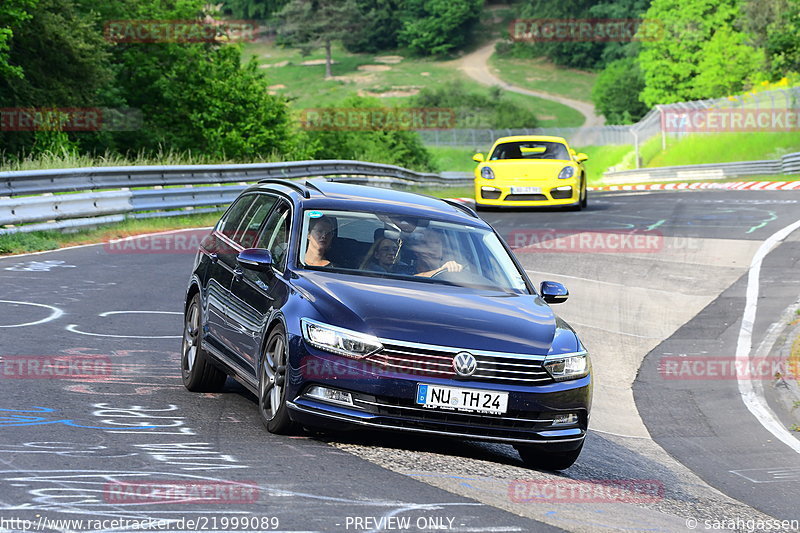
(26,419)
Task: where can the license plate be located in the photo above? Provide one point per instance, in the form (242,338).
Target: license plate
(526,190)
(455,398)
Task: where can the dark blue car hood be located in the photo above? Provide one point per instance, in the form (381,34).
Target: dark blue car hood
(439,314)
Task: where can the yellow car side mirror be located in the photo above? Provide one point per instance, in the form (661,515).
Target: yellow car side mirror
(478,158)
(581,157)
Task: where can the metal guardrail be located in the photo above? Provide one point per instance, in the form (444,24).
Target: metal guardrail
(788,164)
(61,198)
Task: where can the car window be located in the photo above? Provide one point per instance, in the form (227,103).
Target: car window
(275,235)
(233,218)
(373,244)
(248,228)
(530,150)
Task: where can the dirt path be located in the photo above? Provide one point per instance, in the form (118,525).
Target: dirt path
(476,66)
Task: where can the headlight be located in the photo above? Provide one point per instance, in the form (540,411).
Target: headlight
(567,366)
(339,340)
(487,174)
(566,172)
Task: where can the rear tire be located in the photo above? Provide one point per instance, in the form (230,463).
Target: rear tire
(537,457)
(197,371)
(272,384)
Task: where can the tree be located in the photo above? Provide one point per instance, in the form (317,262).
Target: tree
(782,42)
(578,54)
(57,58)
(671,64)
(310,24)
(616,92)
(437,27)
(253,9)
(726,65)
(380,28)
(12,14)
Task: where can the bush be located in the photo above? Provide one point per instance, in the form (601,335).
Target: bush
(616,92)
(477,110)
(402,148)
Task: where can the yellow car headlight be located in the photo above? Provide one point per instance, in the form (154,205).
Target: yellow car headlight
(487,173)
(566,173)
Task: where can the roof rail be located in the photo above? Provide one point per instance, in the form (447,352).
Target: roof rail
(302,189)
(312,185)
(468,210)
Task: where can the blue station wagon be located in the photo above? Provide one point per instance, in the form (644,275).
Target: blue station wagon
(344,306)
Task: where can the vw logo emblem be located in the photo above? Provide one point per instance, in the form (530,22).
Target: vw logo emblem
(465,364)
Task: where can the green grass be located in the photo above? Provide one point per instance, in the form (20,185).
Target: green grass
(51,160)
(601,158)
(720,148)
(540,74)
(395,84)
(550,114)
(453,158)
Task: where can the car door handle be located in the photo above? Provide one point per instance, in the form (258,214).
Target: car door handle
(214,258)
(237,274)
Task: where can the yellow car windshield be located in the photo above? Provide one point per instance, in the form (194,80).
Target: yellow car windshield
(530,150)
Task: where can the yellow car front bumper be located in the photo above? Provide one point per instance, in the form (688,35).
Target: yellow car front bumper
(530,193)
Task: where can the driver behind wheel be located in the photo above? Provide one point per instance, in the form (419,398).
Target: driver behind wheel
(431,258)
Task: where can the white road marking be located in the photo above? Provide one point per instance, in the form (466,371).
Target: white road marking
(56,313)
(107,313)
(73,328)
(594,430)
(756,404)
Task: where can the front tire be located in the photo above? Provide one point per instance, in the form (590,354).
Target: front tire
(197,371)
(272,383)
(585,200)
(539,458)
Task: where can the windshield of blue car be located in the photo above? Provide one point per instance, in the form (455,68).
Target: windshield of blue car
(423,250)
(530,150)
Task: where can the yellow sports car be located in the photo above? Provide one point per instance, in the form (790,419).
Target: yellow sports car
(529,171)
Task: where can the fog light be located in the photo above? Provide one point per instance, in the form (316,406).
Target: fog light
(565,188)
(330,395)
(565,420)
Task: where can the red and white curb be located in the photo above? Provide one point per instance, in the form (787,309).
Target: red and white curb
(728,186)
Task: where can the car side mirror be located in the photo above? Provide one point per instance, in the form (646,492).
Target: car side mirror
(257,259)
(553,292)
(580,158)
(478,158)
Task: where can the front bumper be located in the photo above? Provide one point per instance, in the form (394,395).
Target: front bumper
(386,400)
(498,192)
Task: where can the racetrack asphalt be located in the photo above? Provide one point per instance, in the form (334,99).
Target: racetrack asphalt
(68,445)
